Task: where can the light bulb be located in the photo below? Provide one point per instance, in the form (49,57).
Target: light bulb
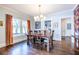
(41,16)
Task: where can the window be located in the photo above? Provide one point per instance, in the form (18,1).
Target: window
(16,26)
(19,26)
(24,27)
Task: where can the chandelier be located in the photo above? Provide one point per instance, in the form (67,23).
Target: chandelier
(40,16)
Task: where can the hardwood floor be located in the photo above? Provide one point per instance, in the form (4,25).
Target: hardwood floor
(64,47)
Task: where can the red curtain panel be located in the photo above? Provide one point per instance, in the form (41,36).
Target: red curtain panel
(28,25)
(9,29)
(76,26)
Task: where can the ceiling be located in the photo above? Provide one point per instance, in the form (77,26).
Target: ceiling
(33,10)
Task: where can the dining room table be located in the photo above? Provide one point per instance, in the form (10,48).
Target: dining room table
(47,38)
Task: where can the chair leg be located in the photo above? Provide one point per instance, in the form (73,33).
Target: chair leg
(41,46)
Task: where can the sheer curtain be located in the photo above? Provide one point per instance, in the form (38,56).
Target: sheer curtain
(28,25)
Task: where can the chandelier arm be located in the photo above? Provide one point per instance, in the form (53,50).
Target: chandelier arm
(39,11)
(40,16)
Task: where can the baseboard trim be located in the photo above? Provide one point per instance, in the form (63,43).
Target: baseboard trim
(18,42)
(63,37)
(14,44)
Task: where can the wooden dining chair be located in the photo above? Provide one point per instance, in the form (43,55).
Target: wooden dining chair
(44,32)
(37,40)
(30,36)
(50,41)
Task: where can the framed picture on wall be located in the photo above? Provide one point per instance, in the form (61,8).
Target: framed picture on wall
(1,23)
(48,23)
(55,25)
(37,25)
(69,26)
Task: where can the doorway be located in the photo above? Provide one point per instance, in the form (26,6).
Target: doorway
(63,28)
(66,32)
(66,27)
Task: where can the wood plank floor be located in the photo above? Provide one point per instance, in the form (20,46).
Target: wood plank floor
(60,48)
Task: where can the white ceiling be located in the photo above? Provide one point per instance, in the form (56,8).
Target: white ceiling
(33,10)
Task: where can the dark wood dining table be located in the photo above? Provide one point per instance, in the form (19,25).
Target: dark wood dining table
(42,36)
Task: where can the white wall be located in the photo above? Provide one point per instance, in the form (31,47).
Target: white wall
(32,23)
(15,14)
(56,28)
(56,18)
(2,29)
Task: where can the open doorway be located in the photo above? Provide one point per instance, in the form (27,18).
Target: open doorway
(67,31)
(66,27)
(63,28)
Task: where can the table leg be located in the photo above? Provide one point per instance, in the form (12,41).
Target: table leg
(48,47)
(27,40)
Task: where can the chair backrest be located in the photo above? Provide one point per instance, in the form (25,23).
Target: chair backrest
(44,32)
(39,31)
(35,32)
(30,32)
(52,35)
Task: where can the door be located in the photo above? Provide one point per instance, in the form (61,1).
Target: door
(63,27)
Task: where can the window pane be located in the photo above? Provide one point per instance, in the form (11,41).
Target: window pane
(14,30)
(18,30)
(24,27)
(16,26)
